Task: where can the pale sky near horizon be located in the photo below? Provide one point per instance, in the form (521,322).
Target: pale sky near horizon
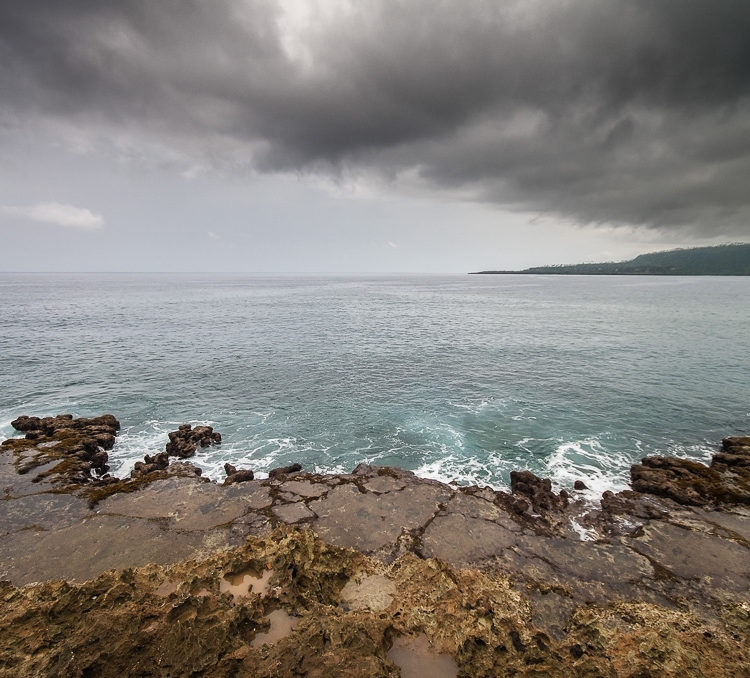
(369,136)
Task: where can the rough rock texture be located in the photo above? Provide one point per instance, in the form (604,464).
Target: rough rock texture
(185,440)
(235,475)
(174,620)
(725,481)
(538,491)
(643,585)
(73,451)
(284,470)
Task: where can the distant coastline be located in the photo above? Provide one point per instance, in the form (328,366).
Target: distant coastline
(733,259)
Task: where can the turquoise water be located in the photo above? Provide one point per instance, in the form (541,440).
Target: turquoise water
(458,377)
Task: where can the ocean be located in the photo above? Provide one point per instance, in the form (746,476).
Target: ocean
(458,378)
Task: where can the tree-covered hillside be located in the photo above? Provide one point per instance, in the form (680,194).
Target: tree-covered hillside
(718,260)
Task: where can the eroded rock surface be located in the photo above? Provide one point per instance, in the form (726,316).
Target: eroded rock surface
(185,440)
(72,450)
(528,583)
(725,481)
(175,620)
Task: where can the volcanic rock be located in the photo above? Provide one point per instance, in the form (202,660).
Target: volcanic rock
(235,475)
(77,444)
(284,470)
(185,440)
(726,481)
(538,491)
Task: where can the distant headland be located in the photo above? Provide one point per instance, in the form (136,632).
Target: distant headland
(731,259)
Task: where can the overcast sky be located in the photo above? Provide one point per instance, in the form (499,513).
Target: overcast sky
(369,135)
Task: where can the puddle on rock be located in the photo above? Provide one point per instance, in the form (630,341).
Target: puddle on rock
(416,659)
(244,583)
(281,626)
(167,588)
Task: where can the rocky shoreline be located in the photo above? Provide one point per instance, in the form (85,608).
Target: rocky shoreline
(368,570)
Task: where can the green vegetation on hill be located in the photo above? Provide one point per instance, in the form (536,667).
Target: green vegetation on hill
(719,260)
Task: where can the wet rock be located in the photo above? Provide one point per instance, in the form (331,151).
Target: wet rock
(298,488)
(736,445)
(538,491)
(284,470)
(160,460)
(580,485)
(462,540)
(373,522)
(78,445)
(691,483)
(151,464)
(185,440)
(689,554)
(235,475)
(520,506)
(293,513)
(184,469)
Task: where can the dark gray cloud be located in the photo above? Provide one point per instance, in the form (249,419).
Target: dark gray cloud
(602,111)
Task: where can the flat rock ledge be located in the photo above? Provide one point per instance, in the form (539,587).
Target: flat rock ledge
(654,580)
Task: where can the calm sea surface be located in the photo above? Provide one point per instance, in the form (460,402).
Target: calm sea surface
(458,378)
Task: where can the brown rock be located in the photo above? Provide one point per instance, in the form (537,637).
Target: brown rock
(537,490)
(240,476)
(736,444)
(284,470)
(80,442)
(185,440)
(691,483)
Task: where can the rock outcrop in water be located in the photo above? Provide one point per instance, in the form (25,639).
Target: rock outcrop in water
(71,450)
(185,440)
(343,574)
(235,475)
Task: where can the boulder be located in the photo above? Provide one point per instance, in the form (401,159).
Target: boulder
(284,470)
(235,475)
(185,440)
(240,476)
(538,491)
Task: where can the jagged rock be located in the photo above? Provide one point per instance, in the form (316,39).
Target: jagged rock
(235,475)
(691,483)
(520,506)
(731,460)
(141,469)
(580,485)
(185,469)
(175,620)
(160,460)
(285,470)
(80,443)
(538,491)
(243,475)
(176,468)
(736,444)
(185,440)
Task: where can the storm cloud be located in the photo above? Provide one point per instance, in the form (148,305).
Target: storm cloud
(615,112)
